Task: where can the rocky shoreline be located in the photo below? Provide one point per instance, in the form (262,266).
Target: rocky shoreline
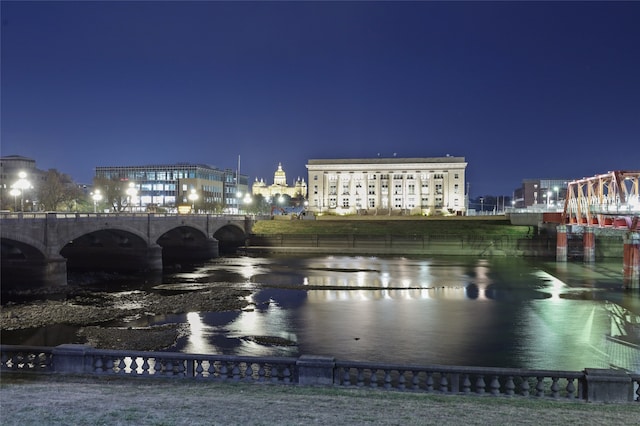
(91,309)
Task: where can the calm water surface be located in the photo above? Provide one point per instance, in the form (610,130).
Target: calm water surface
(455,310)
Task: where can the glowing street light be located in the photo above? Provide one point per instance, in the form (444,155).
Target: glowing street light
(131,192)
(15,192)
(97,197)
(193,196)
(22,184)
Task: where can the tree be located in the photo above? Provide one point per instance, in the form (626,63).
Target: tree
(57,190)
(113,192)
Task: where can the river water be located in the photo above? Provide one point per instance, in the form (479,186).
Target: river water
(494,312)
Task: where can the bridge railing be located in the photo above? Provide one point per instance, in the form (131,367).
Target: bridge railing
(76,215)
(587,385)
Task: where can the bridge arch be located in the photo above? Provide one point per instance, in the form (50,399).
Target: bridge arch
(186,243)
(108,249)
(230,237)
(9,235)
(25,264)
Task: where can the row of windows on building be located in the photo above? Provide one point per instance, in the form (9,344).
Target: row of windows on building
(433,185)
(171,185)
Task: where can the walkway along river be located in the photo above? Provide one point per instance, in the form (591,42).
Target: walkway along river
(500,312)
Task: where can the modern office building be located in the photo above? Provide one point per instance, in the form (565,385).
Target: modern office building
(203,187)
(426,186)
(541,192)
(279,186)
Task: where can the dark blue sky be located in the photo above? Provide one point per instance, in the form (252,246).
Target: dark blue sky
(522,90)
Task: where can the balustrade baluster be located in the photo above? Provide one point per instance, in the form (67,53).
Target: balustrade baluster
(248,373)
(401,380)
(199,370)
(122,366)
(466,384)
(415,381)
(444,383)
(134,365)
(286,375)
(224,371)
(524,386)
(261,373)
(275,373)
(387,379)
(374,378)
(571,389)
(360,377)
(169,368)
(495,386)
(179,368)
(480,384)
(211,369)
(157,366)
(429,381)
(235,372)
(145,366)
(97,365)
(509,386)
(555,388)
(540,387)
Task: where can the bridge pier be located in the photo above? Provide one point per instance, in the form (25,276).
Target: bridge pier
(589,244)
(55,271)
(631,260)
(154,258)
(561,243)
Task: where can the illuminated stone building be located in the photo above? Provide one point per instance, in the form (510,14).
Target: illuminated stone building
(425,186)
(279,186)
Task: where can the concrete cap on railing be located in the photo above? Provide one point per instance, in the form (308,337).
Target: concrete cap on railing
(607,385)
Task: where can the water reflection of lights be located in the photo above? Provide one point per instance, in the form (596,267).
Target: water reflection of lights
(555,287)
(197,334)
(395,294)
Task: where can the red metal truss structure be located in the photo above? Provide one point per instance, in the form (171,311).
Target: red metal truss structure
(607,200)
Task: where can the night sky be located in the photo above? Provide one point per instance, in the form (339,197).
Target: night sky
(522,90)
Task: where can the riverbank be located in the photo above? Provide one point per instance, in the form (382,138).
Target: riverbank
(74,305)
(82,400)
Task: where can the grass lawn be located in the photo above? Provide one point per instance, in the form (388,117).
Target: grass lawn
(462,226)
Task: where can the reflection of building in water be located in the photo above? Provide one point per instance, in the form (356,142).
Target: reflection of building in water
(279,186)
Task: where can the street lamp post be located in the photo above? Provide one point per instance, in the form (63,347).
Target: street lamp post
(97,197)
(193,196)
(131,192)
(22,184)
(238,201)
(15,192)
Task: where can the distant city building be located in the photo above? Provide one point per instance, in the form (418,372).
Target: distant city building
(172,185)
(540,192)
(279,186)
(427,186)
(25,186)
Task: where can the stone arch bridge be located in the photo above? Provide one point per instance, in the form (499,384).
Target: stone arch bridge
(37,248)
